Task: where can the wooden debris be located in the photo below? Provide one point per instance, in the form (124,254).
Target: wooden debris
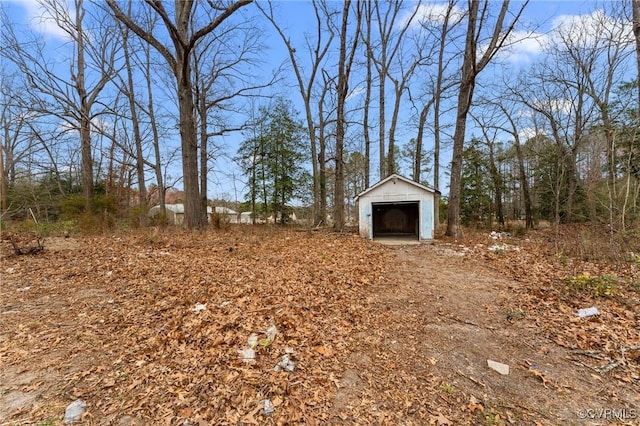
(39,248)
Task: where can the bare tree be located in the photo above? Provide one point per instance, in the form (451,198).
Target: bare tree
(635,4)
(598,49)
(130,92)
(490,135)
(220,82)
(386,51)
(73,98)
(317,47)
(513,128)
(441,29)
(366,121)
(471,68)
(345,61)
(15,142)
(184,35)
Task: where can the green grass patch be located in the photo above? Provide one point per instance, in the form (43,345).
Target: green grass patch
(600,286)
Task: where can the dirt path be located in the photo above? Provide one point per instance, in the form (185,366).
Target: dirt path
(444,315)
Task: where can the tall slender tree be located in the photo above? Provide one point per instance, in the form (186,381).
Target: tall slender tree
(180,24)
(471,67)
(635,4)
(75,98)
(317,46)
(345,62)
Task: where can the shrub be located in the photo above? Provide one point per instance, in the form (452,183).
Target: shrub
(602,286)
(73,206)
(101,217)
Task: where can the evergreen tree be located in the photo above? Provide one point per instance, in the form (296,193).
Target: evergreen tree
(476,185)
(273,159)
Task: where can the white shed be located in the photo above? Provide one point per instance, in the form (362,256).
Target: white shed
(397,207)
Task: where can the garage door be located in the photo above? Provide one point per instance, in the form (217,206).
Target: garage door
(396,219)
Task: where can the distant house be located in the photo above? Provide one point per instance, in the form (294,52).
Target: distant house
(226,214)
(175,213)
(397,207)
(246,218)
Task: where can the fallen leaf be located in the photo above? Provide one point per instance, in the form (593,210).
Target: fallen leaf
(324,350)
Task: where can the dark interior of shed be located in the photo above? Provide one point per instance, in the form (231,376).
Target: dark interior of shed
(396,219)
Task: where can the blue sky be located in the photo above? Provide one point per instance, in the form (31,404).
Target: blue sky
(542,16)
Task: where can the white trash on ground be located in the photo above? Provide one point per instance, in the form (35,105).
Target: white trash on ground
(499,367)
(73,412)
(267,407)
(286,364)
(588,312)
(248,355)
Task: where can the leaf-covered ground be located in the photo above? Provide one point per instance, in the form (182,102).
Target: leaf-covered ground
(378,334)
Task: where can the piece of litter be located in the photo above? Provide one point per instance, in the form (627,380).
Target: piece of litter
(27,288)
(271,333)
(588,312)
(225,304)
(200,307)
(267,407)
(499,367)
(248,355)
(252,341)
(286,364)
(73,412)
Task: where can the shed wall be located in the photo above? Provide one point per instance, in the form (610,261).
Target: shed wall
(391,192)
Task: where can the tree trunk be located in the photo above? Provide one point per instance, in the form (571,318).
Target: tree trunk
(342,89)
(470,70)
(142,187)
(201,100)
(322,164)
(417,159)
(367,102)
(465,95)
(84,112)
(528,214)
(3,179)
(391,160)
(464,103)
(496,177)
(636,32)
(156,138)
(184,38)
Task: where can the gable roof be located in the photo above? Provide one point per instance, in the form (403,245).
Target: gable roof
(176,208)
(397,177)
(225,210)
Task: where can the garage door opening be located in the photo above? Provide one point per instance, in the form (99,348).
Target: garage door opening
(396,220)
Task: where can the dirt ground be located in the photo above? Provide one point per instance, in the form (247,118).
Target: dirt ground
(447,313)
(381,335)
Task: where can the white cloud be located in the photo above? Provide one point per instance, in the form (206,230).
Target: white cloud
(521,47)
(432,13)
(526,133)
(585,30)
(42,21)
(355,93)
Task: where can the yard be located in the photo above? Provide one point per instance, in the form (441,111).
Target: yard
(150,328)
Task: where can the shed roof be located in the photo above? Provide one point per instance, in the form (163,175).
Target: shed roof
(397,177)
(225,210)
(176,208)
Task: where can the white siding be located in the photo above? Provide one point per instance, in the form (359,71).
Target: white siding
(397,189)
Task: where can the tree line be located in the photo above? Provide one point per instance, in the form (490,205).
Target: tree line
(384,87)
